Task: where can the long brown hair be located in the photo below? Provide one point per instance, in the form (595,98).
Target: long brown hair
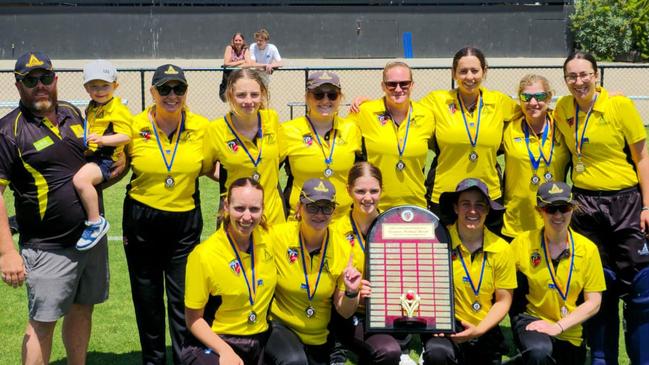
(244,46)
(246,73)
(240,183)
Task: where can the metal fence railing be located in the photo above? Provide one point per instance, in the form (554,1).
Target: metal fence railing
(287,85)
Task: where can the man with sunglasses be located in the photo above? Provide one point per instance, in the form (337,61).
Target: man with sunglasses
(41,148)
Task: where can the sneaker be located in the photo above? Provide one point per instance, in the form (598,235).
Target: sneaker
(93,234)
(406,360)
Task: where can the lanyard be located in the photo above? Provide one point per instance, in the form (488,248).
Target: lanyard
(544,135)
(553,274)
(323,252)
(357,232)
(157,138)
(328,160)
(579,142)
(260,137)
(252,289)
(473,141)
(475,289)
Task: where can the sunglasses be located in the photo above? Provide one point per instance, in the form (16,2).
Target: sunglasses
(165,90)
(32,81)
(331,95)
(538,96)
(326,209)
(392,85)
(563,208)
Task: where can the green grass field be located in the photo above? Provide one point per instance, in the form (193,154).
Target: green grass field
(114,338)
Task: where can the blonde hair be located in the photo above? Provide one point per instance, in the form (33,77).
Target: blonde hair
(394,64)
(245,73)
(241,183)
(530,79)
(262,33)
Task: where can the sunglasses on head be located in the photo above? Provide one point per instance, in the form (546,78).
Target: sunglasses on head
(165,90)
(538,96)
(392,85)
(331,95)
(32,81)
(326,209)
(563,208)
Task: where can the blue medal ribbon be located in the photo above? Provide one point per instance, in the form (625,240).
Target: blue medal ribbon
(579,142)
(553,275)
(474,142)
(323,252)
(357,232)
(260,136)
(252,289)
(400,148)
(181,128)
(544,135)
(327,160)
(476,290)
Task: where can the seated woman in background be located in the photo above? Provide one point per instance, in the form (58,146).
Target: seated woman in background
(484,276)
(314,274)
(230,283)
(559,266)
(236,54)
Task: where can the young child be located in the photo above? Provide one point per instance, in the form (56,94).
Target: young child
(106,131)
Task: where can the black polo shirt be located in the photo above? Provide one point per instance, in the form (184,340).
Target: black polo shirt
(38,161)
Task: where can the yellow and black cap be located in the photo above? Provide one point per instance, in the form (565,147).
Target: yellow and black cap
(31,61)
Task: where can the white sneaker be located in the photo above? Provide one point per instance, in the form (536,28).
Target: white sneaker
(93,234)
(406,360)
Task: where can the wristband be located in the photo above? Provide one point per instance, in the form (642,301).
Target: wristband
(560,326)
(644,208)
(351,295)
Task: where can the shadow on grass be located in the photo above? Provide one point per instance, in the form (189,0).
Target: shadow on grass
(103,358)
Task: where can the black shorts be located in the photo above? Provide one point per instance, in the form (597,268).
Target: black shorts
(249,348)
(611,219)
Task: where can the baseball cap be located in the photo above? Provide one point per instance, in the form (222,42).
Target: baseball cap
(320,78)
(99,70)
(449,198)
(31,61)
(317,189)
(553,193)
(166,73)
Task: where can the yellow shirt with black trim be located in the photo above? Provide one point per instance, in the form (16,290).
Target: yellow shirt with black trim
(613,124)
(543,300)
(380,145)
(452,163)
(520,193)
(343,228)
(291,300)
(305,158)
(108,119)
(214,271)
(222,145)
(499,273)
(147,184)
(38,159)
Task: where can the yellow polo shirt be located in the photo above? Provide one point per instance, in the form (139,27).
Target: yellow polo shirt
(343,228)
(543,301)
(110,118)
(213,270)
(291,300)
(147,184)
(306,158)
(380,137)
(222,145)
(614,123)
(520,192)
(453,144)
(499,273)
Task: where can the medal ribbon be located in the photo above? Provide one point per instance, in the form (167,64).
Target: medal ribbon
(553,274)
(357,232)
(474,142)
(323,252)
(327,160)
(475,289)
(252,289)
(157,138)
(579,142)
(401,149)
(544,135)
(260,137)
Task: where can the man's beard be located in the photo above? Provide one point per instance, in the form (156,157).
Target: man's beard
(42,106)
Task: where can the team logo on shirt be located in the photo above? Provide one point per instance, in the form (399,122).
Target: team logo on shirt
(235,266)
(292,254)
(571,121)
(452,108)
(383,117)
(145,133)
(454,254)
(535,259)
(349,236)
(307,139)
(233,145)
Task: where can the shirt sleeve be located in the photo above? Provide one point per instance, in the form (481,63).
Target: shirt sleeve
(275,52)
(630,120)
(506,270)
(8,155)
(122,121)
(594,274)
(210,149)
(196,282)
(253,51)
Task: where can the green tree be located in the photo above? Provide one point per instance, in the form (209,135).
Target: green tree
(602,27)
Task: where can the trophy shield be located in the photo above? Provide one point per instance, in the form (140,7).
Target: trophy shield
(408,262)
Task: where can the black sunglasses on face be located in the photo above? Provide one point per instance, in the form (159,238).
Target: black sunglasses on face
(563,208)
(331,95)
(392,85)
(326,209)
(165,90)
(32,81)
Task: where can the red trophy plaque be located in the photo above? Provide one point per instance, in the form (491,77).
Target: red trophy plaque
(409,266)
